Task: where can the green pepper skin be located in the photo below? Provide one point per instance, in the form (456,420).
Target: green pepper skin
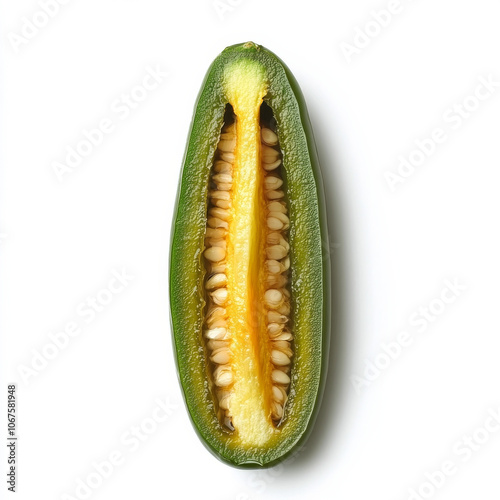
(309,254)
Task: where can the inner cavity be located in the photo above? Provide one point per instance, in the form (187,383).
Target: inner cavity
(247,329)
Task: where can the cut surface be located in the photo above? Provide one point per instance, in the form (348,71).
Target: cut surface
(246,262)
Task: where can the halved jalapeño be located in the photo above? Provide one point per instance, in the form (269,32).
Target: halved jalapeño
(249,278)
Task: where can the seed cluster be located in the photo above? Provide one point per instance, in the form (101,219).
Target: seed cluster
(276,297)
(216,333)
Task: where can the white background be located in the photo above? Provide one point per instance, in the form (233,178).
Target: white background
(392,251)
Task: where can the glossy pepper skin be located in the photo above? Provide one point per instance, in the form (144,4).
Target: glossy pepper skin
(310,266)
